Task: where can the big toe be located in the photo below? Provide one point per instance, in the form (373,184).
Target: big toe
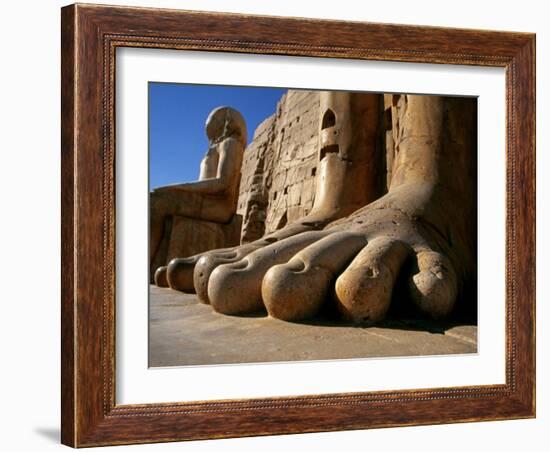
(297,290)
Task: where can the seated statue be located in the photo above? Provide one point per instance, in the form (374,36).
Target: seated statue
(214,196)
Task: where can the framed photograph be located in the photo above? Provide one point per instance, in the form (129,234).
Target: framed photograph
(281,225)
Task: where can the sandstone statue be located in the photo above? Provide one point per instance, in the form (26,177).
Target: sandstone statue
(208,204)
(360,241)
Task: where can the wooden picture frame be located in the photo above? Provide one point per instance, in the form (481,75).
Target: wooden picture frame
(90,36)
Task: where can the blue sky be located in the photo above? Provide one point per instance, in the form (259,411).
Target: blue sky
(177,113)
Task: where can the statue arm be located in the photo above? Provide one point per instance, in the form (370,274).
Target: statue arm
(228,172)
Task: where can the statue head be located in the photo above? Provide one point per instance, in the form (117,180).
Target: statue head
(225,122)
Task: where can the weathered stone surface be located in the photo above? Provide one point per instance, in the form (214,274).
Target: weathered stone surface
(186,237)
(393,210)
(357,244)
(280,165)
(190,236)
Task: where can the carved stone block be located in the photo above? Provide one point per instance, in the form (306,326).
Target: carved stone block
(188,236)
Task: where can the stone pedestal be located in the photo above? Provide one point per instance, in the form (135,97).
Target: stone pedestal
(185,237)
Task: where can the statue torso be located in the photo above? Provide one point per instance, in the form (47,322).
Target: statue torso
(209,163)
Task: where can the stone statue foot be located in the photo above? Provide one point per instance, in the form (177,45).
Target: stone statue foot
(354,262)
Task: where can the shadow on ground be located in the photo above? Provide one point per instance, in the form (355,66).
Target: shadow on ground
(52,434)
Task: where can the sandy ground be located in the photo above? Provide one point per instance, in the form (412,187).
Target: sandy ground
(184,331)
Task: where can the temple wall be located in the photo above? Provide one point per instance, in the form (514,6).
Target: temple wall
(279,166)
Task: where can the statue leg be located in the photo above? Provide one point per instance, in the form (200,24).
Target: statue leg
(162,205)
